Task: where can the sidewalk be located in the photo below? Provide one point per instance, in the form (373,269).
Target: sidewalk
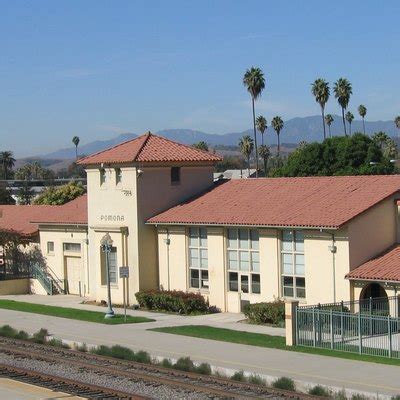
(311,369)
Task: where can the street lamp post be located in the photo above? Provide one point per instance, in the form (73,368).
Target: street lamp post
(106,245)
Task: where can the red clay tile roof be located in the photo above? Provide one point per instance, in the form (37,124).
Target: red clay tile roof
(385,267)
(327,202)
(149,148)
(25,219)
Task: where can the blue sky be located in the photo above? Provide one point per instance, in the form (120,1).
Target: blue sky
(99,68)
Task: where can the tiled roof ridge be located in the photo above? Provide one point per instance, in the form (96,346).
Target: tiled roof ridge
(143,137)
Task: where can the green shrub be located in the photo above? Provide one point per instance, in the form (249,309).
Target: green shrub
(57,343)
(122,353)
(319,390)
(204,369)
(142,357)
(238,376)
(166,363)
(397,397)
(256,379)
(40,336)
(173,301)
(22,335)
(359,397)
(266,313)
(184,364)
(8,331)
(81,347)
(284,383)
(340,395)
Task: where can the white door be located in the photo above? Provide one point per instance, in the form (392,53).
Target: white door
(73,268)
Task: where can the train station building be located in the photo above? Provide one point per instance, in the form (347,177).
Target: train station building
(314,239)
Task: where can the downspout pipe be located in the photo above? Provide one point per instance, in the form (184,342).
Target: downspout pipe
(167,241)
(333,250)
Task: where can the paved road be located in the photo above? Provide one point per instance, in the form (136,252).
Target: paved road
(305,368)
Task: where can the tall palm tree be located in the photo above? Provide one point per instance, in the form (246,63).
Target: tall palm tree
(75,141)
(343,91)
(349,118)
(264,152)
(380,138)
(362,110)
(246,146)
(261,125)
(320,90)
(8,162)
(329,119)
(254,82)
(277,125)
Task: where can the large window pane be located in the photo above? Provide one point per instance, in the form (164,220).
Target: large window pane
(299,265)
(204,279)
(232,238)
(193,237)
(233,281)
(112,265)
(244,258)
(254,239)
(203,258)
(244,283)
(243,238)
(255,262)
(287,263)
(233,259)
(287,240)
(194,278)
(255,283)
(299,241)
(194,258)
(203,237)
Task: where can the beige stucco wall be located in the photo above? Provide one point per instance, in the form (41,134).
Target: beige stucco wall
(14,286)
(372,232)
(56,260)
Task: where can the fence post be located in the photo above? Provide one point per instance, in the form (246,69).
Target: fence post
(313,327)
(359,334)
(291,326)
(332,331)
(390,336)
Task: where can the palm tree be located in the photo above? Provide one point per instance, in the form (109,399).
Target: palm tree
(320,90)
(201,146)
(362,110)
(75,141)
(349,118)
(261,125)
(329,119)
(264,152)
(246,146)
(8,161)
(254,82)
(277,125)
(380,138)
(343,91)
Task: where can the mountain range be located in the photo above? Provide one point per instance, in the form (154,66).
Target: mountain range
(295,130)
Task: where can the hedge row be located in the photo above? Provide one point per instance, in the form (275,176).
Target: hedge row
(266,313)
(173,301)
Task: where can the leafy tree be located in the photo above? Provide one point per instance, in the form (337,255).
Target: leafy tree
(343,91)
(340,155)
(320,90)
(362,110)
(349,119)
(254,82)
(230,162)
(61,194)
(25,194)
(5,196)
(246,146)
(277,125)
(397,122)
(7,162)
(385,144)
(201,146)
(380,138)
(261,125)
(264,152)
(33,170)
(75,141)
(329,119)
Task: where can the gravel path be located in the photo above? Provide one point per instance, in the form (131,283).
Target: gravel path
(156,391)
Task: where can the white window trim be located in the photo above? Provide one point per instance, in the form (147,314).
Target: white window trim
(292,252)
(199,269)
(239,272)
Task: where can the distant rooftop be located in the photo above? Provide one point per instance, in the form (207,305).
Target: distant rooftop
(149,148)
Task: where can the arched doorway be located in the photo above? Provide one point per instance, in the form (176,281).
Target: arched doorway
(374,300)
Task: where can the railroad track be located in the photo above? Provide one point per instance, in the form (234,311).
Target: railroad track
(185,383)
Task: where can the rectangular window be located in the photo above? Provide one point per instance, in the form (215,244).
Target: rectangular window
(102,176)
(118,176)
(175,175)
(112,265)
(50,247)
(292,261)
(198,258)
(74,247)
(243,260)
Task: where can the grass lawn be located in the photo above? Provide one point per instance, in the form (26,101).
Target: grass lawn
(262,340)
(71,313)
